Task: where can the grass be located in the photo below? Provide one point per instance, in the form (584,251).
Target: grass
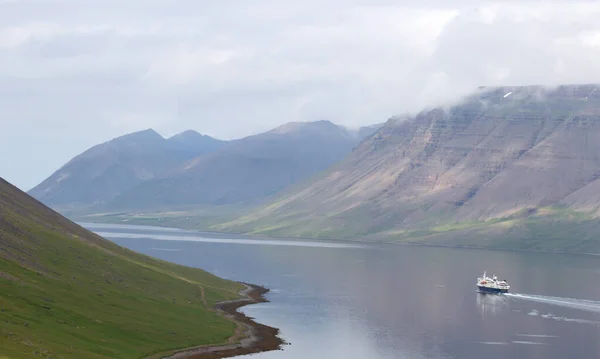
(67,293)
(200,217)
(550,228)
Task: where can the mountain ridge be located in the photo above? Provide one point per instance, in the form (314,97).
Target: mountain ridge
(247,170)
(107,169)
(190,144)
(499,152)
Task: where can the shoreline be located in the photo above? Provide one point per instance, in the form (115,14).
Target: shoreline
(358,241)
(249,337)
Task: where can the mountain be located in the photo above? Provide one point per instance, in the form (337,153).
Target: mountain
(68,293)
(366,131)
(190,144)
(247,170)
(108,169)
(503,158)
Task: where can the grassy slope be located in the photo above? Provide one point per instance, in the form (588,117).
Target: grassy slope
(549,229)
(199,217)
(67,293)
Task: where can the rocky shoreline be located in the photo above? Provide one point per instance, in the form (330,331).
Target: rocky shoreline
(250,337)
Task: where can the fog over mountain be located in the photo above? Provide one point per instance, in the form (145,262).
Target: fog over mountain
(78,73)
(502,155)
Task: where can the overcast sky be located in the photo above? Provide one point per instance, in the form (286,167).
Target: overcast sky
(74,73)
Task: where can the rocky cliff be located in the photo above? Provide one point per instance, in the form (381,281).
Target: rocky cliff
(500,154)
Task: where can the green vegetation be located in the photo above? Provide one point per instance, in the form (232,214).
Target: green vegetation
(67,293)
(199,217)
(550,228)
(554,229)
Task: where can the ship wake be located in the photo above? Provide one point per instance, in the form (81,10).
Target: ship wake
(582,304)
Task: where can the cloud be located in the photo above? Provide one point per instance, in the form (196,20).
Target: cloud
(77,72)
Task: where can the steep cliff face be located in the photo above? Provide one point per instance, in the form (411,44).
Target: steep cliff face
(500,153)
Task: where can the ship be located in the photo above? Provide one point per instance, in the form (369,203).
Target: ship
(492,285)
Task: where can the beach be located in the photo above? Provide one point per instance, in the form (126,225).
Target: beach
(250,337)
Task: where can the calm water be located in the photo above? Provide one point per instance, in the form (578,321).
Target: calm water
(340,300)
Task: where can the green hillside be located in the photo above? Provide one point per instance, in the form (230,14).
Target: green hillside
(68,293)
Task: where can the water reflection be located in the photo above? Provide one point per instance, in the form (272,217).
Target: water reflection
(491,304)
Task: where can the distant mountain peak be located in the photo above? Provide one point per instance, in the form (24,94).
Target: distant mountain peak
(191,136)
(187,134)
(297,126)
(124,171)
(191,133)
(147,137)
(120,164)
(288,127)
(147,133)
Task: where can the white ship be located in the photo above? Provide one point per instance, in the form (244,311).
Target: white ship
(492,285)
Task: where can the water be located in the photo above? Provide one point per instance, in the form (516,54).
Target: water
(345,300)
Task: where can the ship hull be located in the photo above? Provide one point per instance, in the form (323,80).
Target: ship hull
(492,290)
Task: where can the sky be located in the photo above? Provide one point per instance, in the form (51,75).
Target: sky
(75,73)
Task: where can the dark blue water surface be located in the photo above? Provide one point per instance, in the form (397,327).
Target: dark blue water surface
(343,300)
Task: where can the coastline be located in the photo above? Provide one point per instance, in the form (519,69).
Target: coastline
(250,337)
(358,241)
